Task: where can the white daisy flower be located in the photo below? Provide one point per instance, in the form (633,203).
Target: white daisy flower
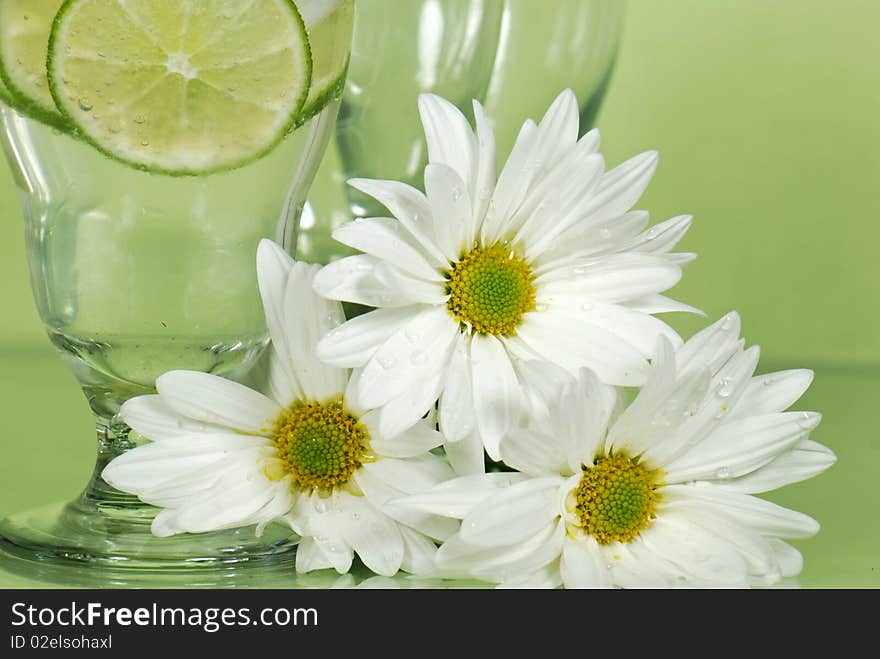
(225,456)
(660,496)
(478,274)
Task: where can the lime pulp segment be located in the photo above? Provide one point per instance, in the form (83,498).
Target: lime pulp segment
(181,87)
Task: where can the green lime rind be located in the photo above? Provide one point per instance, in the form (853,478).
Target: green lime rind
(331,93)
(83,133)
(5,96)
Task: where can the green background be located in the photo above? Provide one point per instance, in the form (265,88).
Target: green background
(765,113)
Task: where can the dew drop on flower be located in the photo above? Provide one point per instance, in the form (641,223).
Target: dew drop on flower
(723,472)
(650,234)
(85,105)
(387,362)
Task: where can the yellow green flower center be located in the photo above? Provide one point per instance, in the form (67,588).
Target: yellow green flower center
(321,445)
(615,498)
(490,289)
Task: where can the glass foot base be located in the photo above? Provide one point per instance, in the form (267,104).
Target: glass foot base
(85,534)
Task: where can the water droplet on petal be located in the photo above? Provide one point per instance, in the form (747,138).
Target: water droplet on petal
(139,119)
(650,234)
(587,307)
(581,270)
(723,473)
(807,421)
(85,105)
(605,233)
(387,362)
(456,194)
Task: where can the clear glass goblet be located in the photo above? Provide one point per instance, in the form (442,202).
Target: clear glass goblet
(514,56)
(136,273)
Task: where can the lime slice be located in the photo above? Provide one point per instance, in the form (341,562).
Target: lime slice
(182,87)
(329,24)
(24,39)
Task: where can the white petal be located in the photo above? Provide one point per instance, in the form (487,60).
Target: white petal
(559,127)
(379,492)
(273,269)
(457,418)
(466,456)
(209,398)
(638,329)
(805,460)
(153,418)
(410,475)
(451,209)
(399,414)
(705,558)
(663,237)
(419,438)
(458,497)
(513,514)
(497,396)
(753,547)
(541,383)
(585,408)
(410,207)
(652,304)
(553,206)
(571,343)
(773,392)
(450,140)
(712,346)
(484,183)
(353,279)
(144,468)
(503,563)
(325,528)
(307,319)
(789,559)
(402,284)
(533,452)
(353,343)
(418,552)
(416,350)
(512,563)
(582,565)
(762,516)
(547,578)
(234,505)
(613,278)
(281,382)
(622,187)
(739,447)
(387,240)
(374,536)
(310,557)
(513,184)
